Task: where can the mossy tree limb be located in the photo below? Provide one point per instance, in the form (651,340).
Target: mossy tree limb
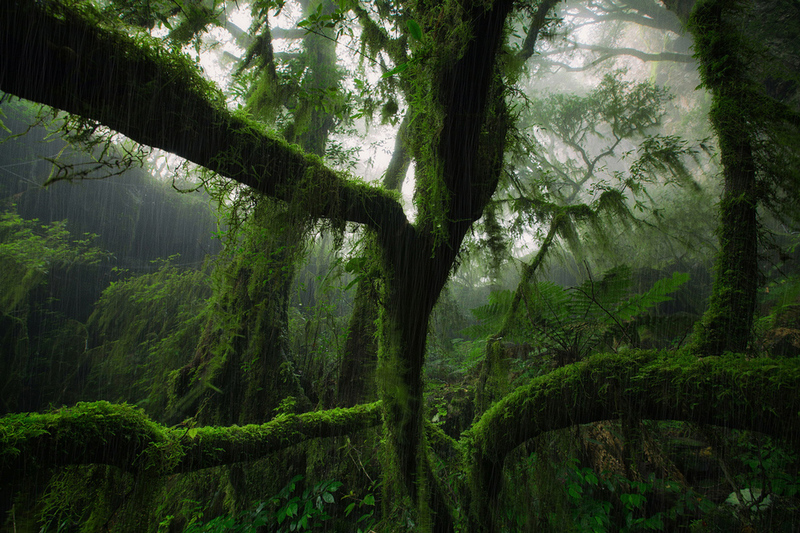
(731,392)
(123,436)
(158,99)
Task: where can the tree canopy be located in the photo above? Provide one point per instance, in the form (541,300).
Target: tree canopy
(498,157)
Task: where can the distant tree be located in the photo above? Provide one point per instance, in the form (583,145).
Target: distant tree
(756,127)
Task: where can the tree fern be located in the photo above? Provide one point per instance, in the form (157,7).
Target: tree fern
(570,323)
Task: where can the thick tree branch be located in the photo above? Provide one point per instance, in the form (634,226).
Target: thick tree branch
(57,55)
(123,436)
(755,395)
(609,52)
(758,395)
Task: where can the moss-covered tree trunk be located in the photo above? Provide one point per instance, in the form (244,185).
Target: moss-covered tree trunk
(242,370)
(359,361)
(467,160)
(254,372)
(720,46)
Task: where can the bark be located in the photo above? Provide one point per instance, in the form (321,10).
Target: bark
(396,172)
(242,370)
(359,360)
(682,8)
(356,382)
(418,266)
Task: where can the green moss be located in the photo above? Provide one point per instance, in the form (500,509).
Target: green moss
(123,436)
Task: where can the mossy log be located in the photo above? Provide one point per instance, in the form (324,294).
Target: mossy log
(123,436)
(732,392)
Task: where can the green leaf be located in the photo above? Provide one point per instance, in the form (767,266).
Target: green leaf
(355,264)
(164,21)
(396,70)
(633,501)
(328,497)
(415,30)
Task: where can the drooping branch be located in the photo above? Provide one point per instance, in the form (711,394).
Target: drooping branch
(59,56)
(123,436)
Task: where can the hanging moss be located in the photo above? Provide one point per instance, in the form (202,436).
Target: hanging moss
(146,326)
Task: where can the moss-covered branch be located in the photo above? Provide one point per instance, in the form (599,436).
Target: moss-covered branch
(123,436)
(61,56)
(759,395)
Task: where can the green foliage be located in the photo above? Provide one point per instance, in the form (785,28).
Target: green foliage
(28,250)
(592,129)
(364,510)
(589,498)
(765,469)
(288,511)
(147,326)
(491,315)
(594,159)
(571,323)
